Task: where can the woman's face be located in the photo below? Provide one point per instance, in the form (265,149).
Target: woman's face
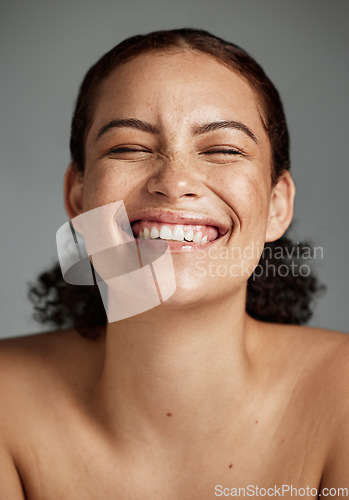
(176,165)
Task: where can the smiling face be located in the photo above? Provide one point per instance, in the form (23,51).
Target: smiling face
(179,138)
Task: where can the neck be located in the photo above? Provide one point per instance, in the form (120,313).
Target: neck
(176,373)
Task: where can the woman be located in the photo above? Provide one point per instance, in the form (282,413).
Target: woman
(198,397)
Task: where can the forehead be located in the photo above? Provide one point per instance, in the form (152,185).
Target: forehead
(177,87)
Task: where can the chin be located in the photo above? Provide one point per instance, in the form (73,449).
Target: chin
(194,290)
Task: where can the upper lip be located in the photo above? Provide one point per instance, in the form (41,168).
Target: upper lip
(183,217)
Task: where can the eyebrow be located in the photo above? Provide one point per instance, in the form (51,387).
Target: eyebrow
(128,123)
(196,130)
(213,126)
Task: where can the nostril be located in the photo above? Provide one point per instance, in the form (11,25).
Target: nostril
(173,186)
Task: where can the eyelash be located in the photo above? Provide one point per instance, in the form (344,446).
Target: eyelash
(224,151)
(124,149)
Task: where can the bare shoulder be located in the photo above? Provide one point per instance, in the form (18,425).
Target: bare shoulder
(333,370)
(48,351)
(329,351)
(318,361)
(37,376)
(314,347)
(35,366)
(312,362)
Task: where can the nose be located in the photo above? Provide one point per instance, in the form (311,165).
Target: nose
(175,180)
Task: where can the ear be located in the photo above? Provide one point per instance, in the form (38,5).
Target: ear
(281,207)
(73,191)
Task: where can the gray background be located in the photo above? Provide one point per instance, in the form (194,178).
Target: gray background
(46,47)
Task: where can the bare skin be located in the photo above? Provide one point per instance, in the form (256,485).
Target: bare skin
(193,393)
(288,427)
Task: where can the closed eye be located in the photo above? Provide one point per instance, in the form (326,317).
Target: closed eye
(127,149)
(223,151)
(128,153)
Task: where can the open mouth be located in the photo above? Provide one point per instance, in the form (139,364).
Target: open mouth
(192,233)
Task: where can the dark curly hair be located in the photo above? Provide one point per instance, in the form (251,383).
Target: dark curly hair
(280,298)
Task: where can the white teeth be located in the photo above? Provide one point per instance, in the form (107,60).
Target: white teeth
(154,233)
(178,233)
(165,233)
(189,235)
(197,237)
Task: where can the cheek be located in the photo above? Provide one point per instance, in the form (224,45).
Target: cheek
(102,187)
(248,195)
(256,201)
